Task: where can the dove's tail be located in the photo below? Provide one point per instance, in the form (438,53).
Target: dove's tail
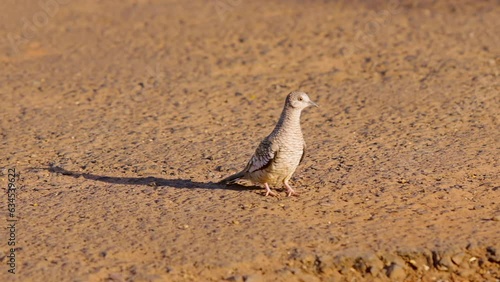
(233,178)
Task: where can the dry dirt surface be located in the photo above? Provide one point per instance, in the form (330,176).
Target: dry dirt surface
(119,118)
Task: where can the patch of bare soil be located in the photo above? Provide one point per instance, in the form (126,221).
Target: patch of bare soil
(121,116)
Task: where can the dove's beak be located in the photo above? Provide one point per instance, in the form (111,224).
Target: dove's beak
(313,104)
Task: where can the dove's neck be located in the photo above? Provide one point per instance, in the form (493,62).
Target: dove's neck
(289,121)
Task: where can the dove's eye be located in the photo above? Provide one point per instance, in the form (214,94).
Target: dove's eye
(300,98)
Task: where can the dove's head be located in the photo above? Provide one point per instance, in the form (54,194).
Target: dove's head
(299,100)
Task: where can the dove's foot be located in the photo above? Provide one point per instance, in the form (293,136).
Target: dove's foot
(290,190)
(268,191)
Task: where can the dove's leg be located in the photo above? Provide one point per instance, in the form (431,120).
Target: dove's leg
(268,190)
(290,190)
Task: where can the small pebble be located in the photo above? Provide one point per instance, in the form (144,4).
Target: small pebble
(466,272)
(458,258)
(445,263)
(253,278)
(115,277)
(396,272)
(234,278)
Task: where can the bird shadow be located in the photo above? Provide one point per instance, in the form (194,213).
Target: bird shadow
(150,181)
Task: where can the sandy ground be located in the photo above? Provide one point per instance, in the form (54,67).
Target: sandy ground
(120,117)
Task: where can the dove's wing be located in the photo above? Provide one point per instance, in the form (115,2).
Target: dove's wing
(303,153)
(263,157)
